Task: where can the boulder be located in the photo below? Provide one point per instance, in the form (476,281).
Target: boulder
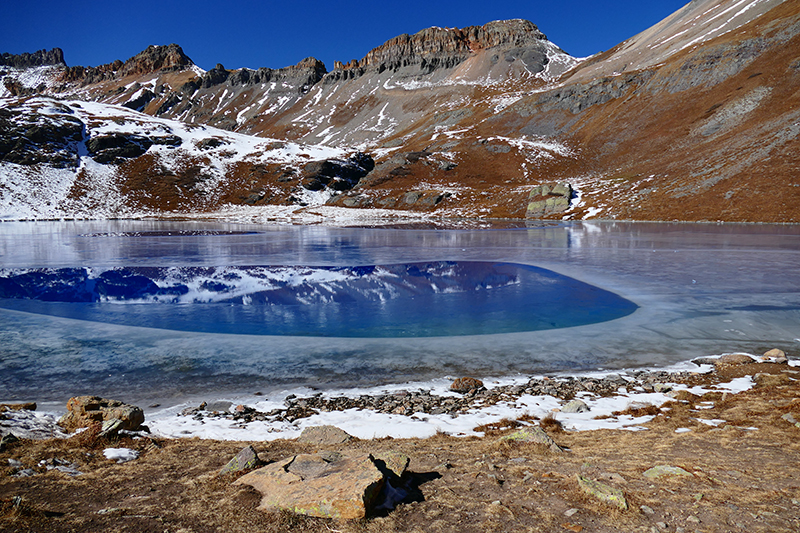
(466,384)
(329,485)
(246,459)
(532,435)
(665,471)
(324,435)
(734,359)
(545,200)
(83,411)
(777,356)
(575,406)
(601,491)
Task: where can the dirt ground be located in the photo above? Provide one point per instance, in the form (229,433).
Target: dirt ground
(745,476)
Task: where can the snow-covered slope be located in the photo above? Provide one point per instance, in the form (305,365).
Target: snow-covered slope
(84,176)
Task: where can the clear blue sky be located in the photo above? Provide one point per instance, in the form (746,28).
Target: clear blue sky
(243,33)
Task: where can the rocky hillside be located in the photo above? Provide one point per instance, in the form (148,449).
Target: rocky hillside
(695,118)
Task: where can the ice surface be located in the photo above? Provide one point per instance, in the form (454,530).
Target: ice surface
(702,289)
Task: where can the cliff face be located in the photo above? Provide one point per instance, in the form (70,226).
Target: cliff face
(36,59)
(693,119)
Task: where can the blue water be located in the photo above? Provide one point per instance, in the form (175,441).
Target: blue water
(511,299)
(432,299)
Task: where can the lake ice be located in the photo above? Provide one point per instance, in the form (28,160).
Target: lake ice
(695,289)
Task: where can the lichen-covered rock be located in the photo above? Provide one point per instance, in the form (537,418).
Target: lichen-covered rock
(549,199)
(83,411)
(246,459)
(601,491)
(327,485)
(532,435)
(665,471)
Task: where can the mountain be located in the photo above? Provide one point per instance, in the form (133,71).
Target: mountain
(696,118)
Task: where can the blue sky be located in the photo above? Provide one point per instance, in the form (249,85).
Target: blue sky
(253,34)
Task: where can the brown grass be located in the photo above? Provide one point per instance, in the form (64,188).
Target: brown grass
(741,479)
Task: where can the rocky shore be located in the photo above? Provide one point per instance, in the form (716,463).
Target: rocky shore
(704,460)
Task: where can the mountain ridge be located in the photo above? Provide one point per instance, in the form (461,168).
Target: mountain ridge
(692,119)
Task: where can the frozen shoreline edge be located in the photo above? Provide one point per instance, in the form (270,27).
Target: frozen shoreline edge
(504,398)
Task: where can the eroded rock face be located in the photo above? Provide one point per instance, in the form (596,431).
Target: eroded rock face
(326,484)
(83,411)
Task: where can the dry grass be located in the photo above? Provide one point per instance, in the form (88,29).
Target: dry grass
(740,479)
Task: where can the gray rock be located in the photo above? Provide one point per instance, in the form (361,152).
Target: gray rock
(575,406)
(601,491)
(534,435)
(665,471)
(324,435)
(246,459)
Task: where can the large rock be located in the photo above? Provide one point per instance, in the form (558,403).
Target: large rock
(327,484)
(532,435)
(324,435)
(83,411)
(545,200)
(466,384)
(732,359)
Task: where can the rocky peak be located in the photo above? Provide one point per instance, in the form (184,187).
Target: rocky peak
(155,58)
(449,46)
(36,59)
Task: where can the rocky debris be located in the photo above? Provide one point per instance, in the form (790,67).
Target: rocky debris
(336,174)
(116,147)
(423,401)
(665,471)
(40,58)
(466,384)
(578,406)
(246,459)
(25,424)
(545,200)
(326,484)
(532,435)
(324,435)
(732,359)
(601,491)
(83,411)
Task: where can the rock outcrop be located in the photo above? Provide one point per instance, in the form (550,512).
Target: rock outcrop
(83,411)
(36,59)
(546,200)
(435,48)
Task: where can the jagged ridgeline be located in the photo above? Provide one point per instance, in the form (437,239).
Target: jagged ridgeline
(692,119)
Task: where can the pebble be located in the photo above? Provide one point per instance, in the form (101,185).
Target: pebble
(571,512)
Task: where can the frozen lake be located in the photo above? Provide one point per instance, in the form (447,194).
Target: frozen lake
(168,312)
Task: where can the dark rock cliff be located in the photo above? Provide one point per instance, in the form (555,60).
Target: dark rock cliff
(36,59)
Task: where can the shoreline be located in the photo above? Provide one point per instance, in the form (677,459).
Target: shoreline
(425,409)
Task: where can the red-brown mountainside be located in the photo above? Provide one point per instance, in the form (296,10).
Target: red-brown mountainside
(696,118)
